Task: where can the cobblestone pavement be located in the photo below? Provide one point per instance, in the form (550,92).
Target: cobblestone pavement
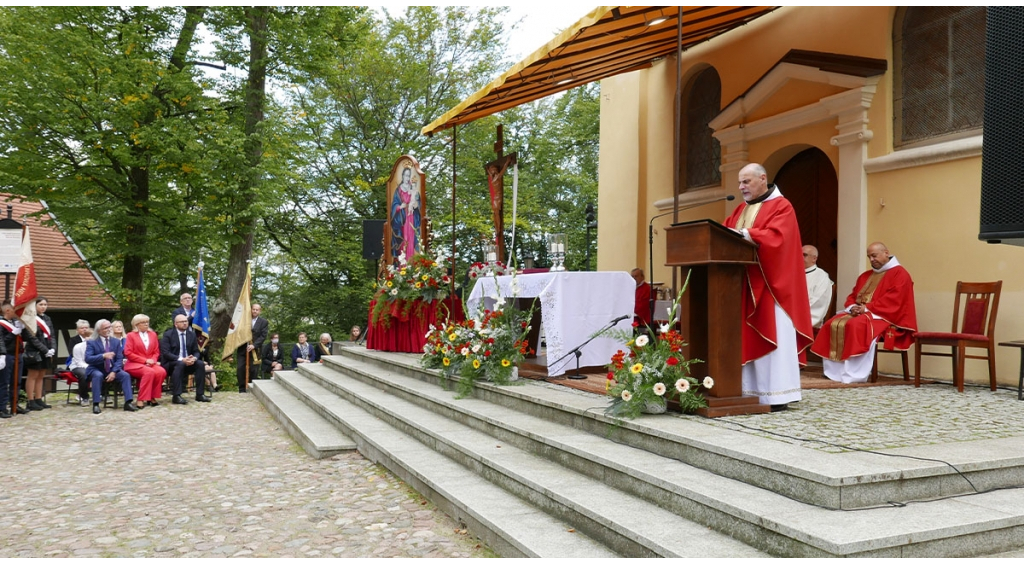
(889,417)
(216,480)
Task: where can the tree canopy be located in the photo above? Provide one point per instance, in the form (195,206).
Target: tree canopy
(160,137)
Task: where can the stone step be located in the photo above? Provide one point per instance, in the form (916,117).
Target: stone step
(508,524)
(963,526)
(628,525)
(852,480)
(317,436)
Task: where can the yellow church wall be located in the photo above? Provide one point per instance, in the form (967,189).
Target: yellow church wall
(930,216)
(930,222)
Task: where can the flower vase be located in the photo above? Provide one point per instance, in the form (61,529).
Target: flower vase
(654,407)
(515,374)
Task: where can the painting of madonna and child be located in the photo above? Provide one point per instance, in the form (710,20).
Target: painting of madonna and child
(406,228)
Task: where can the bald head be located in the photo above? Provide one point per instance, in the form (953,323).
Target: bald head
(753,181)
(810,256)
(180,322)
(878,255)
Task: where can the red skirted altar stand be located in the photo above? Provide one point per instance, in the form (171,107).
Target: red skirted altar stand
(404,326)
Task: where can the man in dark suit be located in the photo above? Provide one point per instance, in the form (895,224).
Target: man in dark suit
(105,358)
(186,309)
(260,329)
(179,355)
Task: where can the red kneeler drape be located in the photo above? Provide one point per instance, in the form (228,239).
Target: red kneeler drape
(405,329)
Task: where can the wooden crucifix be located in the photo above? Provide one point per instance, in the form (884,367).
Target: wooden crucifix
(496,184)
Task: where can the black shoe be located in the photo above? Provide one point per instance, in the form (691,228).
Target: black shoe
(96,408)
(780,407)
(4,414)
(33,406)
(216,388)
(129,407)
(139,405)
(152,403)
(42,403)
(243,391)
(179,400)
(23,410)
(202,398)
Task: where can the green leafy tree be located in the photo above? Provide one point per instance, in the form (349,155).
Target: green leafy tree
(106,120)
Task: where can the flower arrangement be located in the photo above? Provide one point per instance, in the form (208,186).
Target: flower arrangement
(492,268)
(652,371)
(490,346)
(410,284)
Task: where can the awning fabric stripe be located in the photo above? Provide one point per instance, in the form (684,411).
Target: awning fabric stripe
(610,40)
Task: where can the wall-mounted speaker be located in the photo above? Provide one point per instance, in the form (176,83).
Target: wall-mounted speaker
(1002,164)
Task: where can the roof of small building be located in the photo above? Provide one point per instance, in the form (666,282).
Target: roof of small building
(63,275)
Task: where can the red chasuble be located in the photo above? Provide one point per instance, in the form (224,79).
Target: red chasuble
(778,277)
(642,307)
(889,297)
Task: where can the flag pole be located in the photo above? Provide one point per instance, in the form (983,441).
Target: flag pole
(17,376)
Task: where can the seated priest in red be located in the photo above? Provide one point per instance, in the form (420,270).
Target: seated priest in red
(776,310)
(642,307)
(881,307)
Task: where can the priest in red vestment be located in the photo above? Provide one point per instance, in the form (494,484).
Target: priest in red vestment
(881,307)
(642,305)
(777,313)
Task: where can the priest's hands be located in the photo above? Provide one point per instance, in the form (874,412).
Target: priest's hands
(857,309)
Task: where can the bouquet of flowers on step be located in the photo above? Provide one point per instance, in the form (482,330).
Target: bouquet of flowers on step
(409,285)
(492,268)
(488,345)
(651,371)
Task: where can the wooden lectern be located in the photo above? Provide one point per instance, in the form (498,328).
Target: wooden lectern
(717,258)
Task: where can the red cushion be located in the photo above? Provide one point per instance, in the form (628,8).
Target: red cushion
(974,316)
(924,336)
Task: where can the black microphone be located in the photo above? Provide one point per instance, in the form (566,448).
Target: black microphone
(727,198)
(618,319)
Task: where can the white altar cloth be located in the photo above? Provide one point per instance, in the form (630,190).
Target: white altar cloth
(575,306)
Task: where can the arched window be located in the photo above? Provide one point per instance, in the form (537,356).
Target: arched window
(939,78)
(703,153)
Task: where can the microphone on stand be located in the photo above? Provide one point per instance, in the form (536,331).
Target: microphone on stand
(618,319)
(650,234)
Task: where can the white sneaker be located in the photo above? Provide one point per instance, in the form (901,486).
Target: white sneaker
(83,402)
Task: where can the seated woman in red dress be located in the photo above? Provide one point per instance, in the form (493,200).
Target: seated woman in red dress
(142,360)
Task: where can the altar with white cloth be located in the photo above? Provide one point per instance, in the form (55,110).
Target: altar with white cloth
(574,306)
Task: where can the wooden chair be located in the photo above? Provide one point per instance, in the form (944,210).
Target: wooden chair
(976,330)
(903,355)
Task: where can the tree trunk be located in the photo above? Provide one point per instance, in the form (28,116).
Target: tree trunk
(133,275)
(256,19)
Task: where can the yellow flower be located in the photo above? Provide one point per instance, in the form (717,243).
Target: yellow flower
(402,272)
(476,363)
(424,278)
(451,337)
(390,284)
(505,362)
(419,284)
(630,343)
(636,368)
(446,361)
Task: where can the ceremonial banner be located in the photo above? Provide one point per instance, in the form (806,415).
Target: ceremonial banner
(405,232)
(240,330)
(201,320)
(25,292)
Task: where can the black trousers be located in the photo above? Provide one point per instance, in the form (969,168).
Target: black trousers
(254,367)
(178,370)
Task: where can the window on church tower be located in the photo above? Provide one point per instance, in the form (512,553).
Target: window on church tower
(938,87)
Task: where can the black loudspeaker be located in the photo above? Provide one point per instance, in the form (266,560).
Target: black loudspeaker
(373,239)
(1002,164)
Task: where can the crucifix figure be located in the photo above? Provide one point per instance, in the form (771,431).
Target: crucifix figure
(495,183)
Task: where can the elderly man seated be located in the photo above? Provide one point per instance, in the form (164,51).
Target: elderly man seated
(881,307)
(105,358)
(819,286)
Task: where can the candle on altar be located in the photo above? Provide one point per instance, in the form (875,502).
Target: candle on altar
(491,257)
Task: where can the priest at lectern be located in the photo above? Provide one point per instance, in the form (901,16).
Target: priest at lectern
(776,311)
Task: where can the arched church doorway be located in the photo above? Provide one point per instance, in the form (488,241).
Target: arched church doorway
(810,183)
